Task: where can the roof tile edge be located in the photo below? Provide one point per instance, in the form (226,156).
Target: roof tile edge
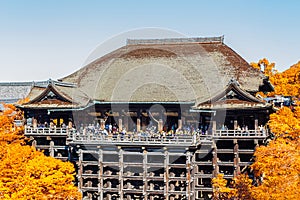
(219,39)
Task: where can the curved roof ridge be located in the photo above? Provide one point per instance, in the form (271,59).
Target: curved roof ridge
(219,39)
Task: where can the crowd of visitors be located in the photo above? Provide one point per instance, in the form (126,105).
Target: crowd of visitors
(112,130)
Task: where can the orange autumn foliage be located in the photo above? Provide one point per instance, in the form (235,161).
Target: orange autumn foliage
(285,123)
(265,66)
(26,173)
(287,83)
(220,188)
(239,188)
(8,132)
(277,167)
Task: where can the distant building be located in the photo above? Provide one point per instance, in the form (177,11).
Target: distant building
(155,119)
(11,92)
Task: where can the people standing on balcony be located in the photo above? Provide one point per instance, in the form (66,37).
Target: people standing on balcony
(63,125)
(52,125)
(109,128)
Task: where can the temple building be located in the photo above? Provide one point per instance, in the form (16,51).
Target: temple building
(154,119)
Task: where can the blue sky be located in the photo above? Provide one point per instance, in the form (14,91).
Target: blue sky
(51,39)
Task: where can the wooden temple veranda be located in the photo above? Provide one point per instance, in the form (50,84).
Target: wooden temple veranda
(155,119)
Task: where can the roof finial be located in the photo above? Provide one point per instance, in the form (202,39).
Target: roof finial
(233,81)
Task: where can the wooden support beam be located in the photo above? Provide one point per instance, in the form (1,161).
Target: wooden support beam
(194,170)
(34,123)
(188,175)
(214,127)
(121,173)
(160,125)
(236,159)
(256,124)
(256,144)
(145,171)
(138,124)
(120,124)
(100,173)
(102,123)
(34,144)
(235,124)
(51,149)
(126,118)
(166,176)
(179,124)
(215,160)
(80,170)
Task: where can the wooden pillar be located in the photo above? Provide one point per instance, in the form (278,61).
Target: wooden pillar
(100,173)
(194,170)
(215,160)
(256,144)
(236,158)
(138,121)
(126,118)
(145,167)
(51,149)
(34,122)
(161,122)
(188,175)
(214,128)
(121,173)
(256,124)
(102,124)
(235,124)
(120,124)
(166,176)
(179,124)
(183,121)
(138,124)
(80,170)
(160,125)
(34,144)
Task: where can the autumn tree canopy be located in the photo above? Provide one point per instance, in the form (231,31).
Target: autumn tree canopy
(26,173)
(286,83)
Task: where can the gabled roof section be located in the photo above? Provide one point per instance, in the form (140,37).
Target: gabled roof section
(56,95)
(233,97)
(234,90)
(52,93)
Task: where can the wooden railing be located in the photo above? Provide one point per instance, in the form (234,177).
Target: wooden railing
(133,138)
(74,135)
(47,131)
(240,134)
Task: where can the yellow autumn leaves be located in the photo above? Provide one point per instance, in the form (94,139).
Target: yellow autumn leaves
(278,167)
(26,173)
(286,83)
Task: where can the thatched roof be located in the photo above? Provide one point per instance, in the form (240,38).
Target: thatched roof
(165,70)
